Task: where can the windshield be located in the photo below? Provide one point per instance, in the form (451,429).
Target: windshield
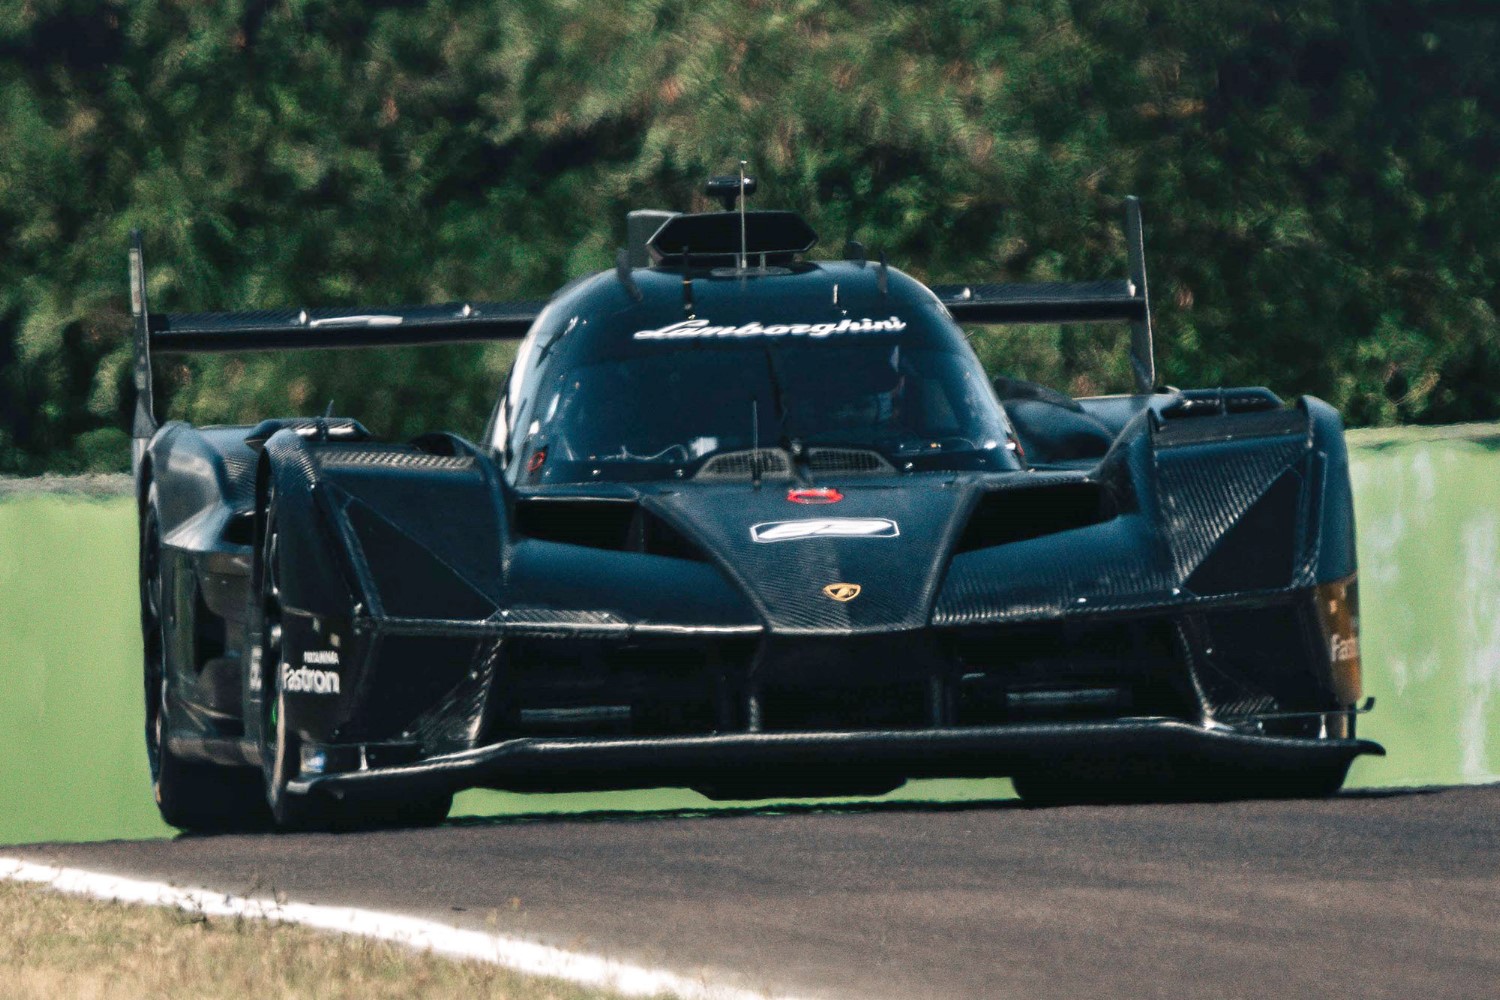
(667,414)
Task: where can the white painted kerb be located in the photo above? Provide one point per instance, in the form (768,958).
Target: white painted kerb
(423,935)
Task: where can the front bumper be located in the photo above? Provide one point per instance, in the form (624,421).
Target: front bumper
(606,763)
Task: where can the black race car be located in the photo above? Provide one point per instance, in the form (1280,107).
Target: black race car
(747,523)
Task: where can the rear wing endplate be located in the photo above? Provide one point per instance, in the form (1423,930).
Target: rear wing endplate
(301,329)
(1123,300)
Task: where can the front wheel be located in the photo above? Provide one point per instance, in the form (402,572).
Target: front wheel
(189,795)
(1096,783)
(281,745)
(281,762)
(312,812)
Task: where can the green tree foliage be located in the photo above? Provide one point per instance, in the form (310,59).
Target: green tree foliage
(1319,180)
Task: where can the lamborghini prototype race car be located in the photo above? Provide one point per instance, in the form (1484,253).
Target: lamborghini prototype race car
(747,523)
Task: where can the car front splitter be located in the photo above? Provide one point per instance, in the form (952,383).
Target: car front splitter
(610,763)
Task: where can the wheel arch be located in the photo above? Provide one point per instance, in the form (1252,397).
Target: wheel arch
(314,567)
(1335,525)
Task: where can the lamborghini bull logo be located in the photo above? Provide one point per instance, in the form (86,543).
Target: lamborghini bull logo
(842,592)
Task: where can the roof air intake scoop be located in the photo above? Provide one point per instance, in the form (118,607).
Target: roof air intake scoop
(778,235)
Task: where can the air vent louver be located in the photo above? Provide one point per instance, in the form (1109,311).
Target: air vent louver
(741,465)
(1016,515)
(617,525)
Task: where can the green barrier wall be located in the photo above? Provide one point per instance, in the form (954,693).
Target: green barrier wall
(72,765)
(1429,551)
(72,758)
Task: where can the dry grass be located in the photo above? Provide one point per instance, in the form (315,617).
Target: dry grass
(1379,437)
(54,945)
(101,485)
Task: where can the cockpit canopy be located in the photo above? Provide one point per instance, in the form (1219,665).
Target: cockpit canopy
(808,369)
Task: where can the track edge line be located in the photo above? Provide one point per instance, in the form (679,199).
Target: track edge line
(416,933)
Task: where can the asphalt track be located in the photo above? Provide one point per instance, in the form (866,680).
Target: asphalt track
(1366,895)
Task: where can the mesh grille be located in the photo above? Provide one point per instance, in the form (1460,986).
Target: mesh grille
(739,465)
(847,461)
(776,463)
(395,458)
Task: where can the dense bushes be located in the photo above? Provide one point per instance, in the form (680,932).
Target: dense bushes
(1318,180)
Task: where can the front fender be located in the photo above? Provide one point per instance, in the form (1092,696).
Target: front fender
(314,568)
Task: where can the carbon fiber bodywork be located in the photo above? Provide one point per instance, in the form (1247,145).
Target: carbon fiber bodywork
(1189,597)
(1169,575)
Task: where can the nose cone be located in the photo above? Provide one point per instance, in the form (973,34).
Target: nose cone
(869,561)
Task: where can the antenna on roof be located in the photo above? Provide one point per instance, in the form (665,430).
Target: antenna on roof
(755,441)
(729,190)
(743,253)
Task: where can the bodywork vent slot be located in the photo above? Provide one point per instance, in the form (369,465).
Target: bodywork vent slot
(616,525)
(1060,672)
(1016,515)
(240,528)
(1206,416)
(1221,402)
(577,688)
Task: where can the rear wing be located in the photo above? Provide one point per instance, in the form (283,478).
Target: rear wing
(299,329)
(1124,300)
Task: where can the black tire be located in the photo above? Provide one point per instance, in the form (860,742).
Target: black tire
(292,812)
(189,795)
(428,810)
(281,746)
(281,757)
(1095,783)
(1114,783)
(1312,781)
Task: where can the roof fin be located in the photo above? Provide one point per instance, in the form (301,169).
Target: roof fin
(883,279)
(855,250)
(144,424)
(640,226)
(1142,351)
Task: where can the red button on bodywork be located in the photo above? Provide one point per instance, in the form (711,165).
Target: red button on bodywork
(819,494)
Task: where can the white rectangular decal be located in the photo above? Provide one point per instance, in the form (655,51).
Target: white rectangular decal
(824,527)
